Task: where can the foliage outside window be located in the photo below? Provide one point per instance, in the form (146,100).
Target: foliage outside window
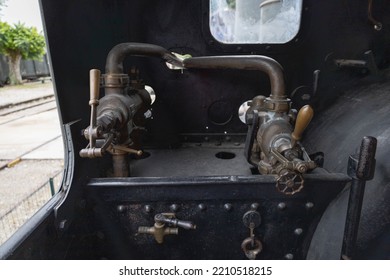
(19,42)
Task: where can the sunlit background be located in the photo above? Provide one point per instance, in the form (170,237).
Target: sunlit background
(24,11)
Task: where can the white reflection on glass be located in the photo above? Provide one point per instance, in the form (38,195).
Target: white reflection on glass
(255,21)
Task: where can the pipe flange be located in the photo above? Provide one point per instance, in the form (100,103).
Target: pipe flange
(278,105)
(115,80)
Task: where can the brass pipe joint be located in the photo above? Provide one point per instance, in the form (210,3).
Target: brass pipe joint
(158,231)
(161,227)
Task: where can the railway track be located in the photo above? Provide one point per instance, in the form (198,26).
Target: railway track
(24,120)
(30,154)
(24,110)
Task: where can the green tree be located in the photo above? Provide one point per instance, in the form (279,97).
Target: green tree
(19,42)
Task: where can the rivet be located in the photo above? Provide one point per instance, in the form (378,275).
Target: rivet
(228,207)
(289,256)
(298,231)
(120,208)
(281,206)
(148,208)
(174,207)
(202,207)
(309,205)
(254,206)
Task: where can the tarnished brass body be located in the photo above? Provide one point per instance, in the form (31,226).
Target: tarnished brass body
(159,230)
(275,149)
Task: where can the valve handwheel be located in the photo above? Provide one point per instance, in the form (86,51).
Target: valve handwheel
(290,183)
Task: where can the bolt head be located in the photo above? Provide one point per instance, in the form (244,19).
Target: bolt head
(309,205)
(289,256)
(174,207)
(202,207)
(228,207)
(254,206)
(148,208)
(298,231)
(281,206)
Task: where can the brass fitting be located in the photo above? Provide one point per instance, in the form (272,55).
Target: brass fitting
(159,231)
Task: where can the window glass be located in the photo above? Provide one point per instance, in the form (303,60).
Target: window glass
(255,21)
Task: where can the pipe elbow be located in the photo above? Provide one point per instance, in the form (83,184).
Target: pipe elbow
(245,62)
(114,62)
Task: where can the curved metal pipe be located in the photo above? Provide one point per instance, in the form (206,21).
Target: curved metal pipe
(114,62)
(245,62)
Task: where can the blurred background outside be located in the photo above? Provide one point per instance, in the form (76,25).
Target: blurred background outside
(31,145)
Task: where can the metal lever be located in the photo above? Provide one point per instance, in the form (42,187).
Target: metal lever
(361,168)
(304,117)
(93,131)
(94,83)
(172,221)
(159,229)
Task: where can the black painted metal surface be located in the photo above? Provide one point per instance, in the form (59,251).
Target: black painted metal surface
(124,202)
(199,106)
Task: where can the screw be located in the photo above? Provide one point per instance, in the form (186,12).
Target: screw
(174,207)
(281,206)
(236,144)
(309,205)
(120,208)
(148,208)
(228,207)
(254,206)
(202,207)
(289,256)
(298,231)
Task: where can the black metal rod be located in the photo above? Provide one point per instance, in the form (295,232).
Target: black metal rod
(361,170)
(355,203)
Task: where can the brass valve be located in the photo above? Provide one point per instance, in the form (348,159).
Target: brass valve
(100,139)
(159,229)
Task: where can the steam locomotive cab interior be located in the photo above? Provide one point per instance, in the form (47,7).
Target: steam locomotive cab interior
(182,136)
